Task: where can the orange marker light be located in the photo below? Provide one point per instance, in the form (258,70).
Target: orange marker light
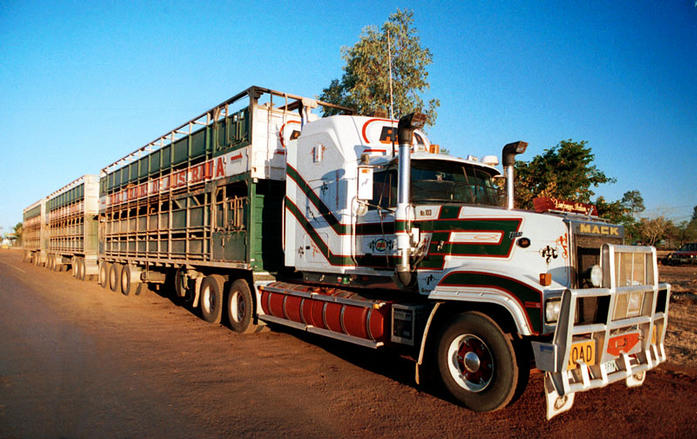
(545,279)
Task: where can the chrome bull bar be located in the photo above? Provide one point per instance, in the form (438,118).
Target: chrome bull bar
(625,342)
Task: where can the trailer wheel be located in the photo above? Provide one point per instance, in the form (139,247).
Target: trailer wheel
(81,268)
(477,362)
(104,268)
(130,279)
(73,267)
(115,276)
(212,298)
(240,307)
(49,262)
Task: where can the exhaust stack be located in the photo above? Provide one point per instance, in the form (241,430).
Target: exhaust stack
(404,214)
(508,159)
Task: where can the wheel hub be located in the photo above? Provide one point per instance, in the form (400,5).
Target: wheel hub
(473,362)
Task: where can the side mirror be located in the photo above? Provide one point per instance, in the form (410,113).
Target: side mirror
(365,183)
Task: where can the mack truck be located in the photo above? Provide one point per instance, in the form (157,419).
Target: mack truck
(357,228)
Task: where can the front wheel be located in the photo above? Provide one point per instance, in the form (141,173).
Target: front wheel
(477,362)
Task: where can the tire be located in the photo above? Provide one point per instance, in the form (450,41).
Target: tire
(477,362)
(127,283)
(212,298)
(73,267)
(81,268)
(49,263)
(115,276)
(239,307)
(104,268)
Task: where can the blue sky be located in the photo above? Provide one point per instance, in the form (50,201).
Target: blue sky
(84,83)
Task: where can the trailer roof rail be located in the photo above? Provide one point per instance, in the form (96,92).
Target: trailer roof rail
(214,114)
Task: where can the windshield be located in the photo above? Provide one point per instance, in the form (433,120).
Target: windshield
(438,181)
(441,181)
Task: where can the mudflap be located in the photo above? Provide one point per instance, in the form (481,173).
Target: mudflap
(556,403)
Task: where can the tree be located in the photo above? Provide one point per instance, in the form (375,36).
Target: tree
(563,171)
(624,212)
(17,230)
(633,202)
(694,213)
(654,230)
(681,233)
(365,86)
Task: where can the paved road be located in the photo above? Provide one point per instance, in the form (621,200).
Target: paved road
(80,361)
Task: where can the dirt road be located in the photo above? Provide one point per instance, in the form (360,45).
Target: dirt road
(77,361)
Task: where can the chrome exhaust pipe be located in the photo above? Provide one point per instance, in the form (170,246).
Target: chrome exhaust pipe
(404,213)
(508,160)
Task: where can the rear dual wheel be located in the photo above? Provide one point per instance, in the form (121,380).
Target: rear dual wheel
(115,276)
(78,268)
(478,363)
(212,298)
(104,269)
(130,279)
(240,306)
(237,303)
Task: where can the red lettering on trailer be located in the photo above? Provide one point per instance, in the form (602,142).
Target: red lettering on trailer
(219,168)
(195,174)
(179,179)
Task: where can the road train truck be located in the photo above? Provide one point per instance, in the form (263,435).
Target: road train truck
(60,230)
(357,228)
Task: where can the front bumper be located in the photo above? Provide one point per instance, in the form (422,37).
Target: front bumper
(625,345)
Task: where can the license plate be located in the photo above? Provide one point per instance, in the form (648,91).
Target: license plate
(585,351)
(611,367)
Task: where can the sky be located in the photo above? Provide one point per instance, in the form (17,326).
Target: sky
(85,83)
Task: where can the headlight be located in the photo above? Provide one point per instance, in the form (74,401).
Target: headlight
(552,308)
(596,276)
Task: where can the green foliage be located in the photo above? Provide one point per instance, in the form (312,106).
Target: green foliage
(563,171)
(633,202)
(365,82)
(17,230)
(623,212)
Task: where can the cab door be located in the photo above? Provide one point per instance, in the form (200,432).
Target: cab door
(375,240)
